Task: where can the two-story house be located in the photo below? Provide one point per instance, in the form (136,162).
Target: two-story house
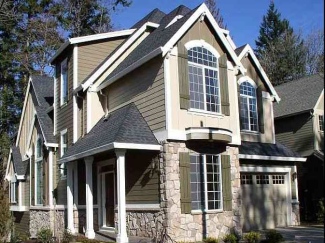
(168,124)
(299,124)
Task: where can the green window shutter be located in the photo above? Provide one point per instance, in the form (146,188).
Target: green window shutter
(184,88)
(260,109)
(185,182)
(224,92)
(226,182)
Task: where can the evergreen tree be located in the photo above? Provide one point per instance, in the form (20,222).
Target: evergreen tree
(279,49)
(215,11)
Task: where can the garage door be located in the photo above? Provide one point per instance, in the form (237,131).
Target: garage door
(264,200)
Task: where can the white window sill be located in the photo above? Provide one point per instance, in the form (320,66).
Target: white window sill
(19,208)
(205,113)
(250,132)
(194,212)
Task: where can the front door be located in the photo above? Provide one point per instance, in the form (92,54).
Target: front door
(109,198)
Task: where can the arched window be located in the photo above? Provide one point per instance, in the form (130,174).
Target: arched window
(203,79)
(248,107)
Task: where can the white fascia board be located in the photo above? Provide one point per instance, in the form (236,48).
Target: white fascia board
(319,99)
(266,169)
(248,49)
(23,112)
(8,164)
(52,145)
(87,38)
(117,54)
(277,158)
(130,68)
(21,177)
(108,147)
(101,36)
(174,20)
(202,10)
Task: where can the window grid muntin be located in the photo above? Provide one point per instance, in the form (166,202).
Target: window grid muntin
(207,188)
(321,123)
(246,179)
(278,179)
(248,107)
(195,61)
(262,179)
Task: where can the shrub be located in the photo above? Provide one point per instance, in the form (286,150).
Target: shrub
(273,236)
(83,239)
(67,236)
(252,237)
(45,235)
(320,211)
(211,240)
(230,238)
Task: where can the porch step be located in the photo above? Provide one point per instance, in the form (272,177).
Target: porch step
(110,236)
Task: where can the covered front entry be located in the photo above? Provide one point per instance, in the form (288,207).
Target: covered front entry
(266,200)
(107,197)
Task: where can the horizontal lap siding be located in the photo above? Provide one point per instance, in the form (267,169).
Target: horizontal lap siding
(26,191)
(91,55)
(145,87)
(296,132)
(22,222)
(142,185)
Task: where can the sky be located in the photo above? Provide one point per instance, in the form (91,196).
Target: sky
(242,17)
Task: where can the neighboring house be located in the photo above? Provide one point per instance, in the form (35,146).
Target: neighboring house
(299,124)
(168,124)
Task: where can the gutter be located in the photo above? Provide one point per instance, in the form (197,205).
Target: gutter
(129,69)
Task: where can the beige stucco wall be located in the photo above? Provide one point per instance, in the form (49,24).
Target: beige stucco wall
(181,119)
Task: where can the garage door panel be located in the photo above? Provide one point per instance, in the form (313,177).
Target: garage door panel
(263,205)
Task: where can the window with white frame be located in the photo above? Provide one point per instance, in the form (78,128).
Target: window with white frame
(39,172)
(248,107)
(63,148)
(321,123)
(206,187)
(12,190)
(64,82)
(203,80)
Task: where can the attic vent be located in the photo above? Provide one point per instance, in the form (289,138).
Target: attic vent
(174,20)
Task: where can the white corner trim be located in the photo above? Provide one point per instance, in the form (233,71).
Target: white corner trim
(168,99)
(75,119)
(55,105)
(250,51)
(23,112)
(75,66)
(278,158)
(8,164)
(118,53)
(130,68)
(319,99)
(89,111)
(266,95)
(50,178)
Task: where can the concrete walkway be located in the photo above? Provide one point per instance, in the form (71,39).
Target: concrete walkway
(303,234)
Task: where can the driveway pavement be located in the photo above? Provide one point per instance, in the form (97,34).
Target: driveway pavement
(303,234)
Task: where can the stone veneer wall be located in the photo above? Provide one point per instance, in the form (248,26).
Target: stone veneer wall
(46,219)
(189,227)
(80,220)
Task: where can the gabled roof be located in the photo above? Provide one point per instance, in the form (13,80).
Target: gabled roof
(246,49)
(154,16)
(44,92)
(269,151)
(20,166)
(124,126)
(299,95)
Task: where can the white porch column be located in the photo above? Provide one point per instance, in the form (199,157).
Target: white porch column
(51,177)
(90,233)
(69,168)
(121,236)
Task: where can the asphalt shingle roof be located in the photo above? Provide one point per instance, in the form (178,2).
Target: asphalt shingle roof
(266,149)
(125,125)
(298,95)
(44,92)
(239,49)
(154,16)
(20,166)
(158,38)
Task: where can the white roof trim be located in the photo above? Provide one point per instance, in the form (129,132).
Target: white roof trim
(202,11)
(263,157)
(8,164)
(23,112)
(87,38)
(248,49)
(319,99)
(110,146)
(175,19)
(117,54)
(130,68)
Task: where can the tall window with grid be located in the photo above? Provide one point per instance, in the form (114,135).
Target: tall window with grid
(321,123)
(206,193)
(203,80)
(248,107)
(39,172)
